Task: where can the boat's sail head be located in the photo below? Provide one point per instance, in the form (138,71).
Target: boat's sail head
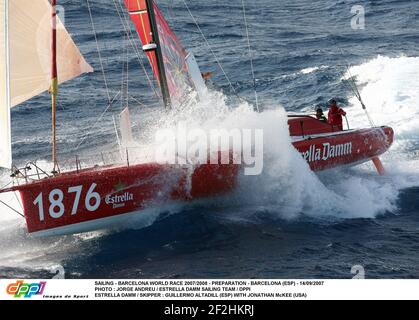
(180,80)
(25,59)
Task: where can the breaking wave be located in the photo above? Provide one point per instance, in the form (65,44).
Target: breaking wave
(390,92)
(286,189)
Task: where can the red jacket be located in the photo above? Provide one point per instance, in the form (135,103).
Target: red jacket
(335,116)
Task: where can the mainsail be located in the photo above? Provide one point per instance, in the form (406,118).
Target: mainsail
(178,63)
(25,59)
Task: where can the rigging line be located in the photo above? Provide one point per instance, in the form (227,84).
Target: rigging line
(98,51)
(125,78)
(170,11)
(133,43)
(6,185)
(209,46)
(128,32)
(241,99)
(359,97)
(250,56)
(138,101)
(18,200)
(356,91)
(122,83)
(127,96)
(351,81)
(5,204)
(125,21)
(117,135)
(98,120)
(349,85)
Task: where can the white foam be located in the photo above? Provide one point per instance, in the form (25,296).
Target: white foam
(312,69)
(287,187)
(390,92)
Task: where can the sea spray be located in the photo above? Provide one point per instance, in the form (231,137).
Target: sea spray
(286,187)
(389,89)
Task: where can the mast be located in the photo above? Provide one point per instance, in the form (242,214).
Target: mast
(159,55)
(54,83)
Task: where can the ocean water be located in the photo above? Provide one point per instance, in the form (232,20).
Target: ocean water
(287,222)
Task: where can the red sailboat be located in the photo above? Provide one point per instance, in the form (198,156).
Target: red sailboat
(89,199)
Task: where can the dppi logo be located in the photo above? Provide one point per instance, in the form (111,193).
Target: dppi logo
(19,289)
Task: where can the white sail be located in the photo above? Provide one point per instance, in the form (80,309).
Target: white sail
(25,58)
(196,76)
(30,50)
(125,128)
(5,135)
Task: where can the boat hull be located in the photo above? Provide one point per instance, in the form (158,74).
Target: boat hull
(93,199)
(80,202)
(346,148)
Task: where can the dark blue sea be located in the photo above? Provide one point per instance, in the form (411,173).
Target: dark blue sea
(286,223)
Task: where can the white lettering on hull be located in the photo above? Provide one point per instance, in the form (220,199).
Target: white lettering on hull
(118,201)
(327,151)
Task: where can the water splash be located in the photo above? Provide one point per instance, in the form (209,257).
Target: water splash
(287,188)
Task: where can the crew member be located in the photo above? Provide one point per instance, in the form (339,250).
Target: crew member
(320,115)
(206,76)
(335,115)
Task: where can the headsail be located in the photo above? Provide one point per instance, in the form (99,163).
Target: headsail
(176,59)
(25,59)
(30,50)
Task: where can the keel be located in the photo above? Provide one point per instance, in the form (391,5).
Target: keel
(379,166)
